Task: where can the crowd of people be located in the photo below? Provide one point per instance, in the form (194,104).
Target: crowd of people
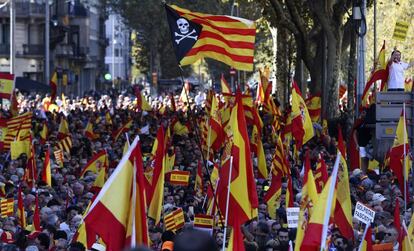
(63,204)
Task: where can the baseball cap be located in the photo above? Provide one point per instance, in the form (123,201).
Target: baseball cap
(378,197)
(7,237)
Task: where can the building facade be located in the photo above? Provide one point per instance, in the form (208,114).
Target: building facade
(118,51)
(77,42)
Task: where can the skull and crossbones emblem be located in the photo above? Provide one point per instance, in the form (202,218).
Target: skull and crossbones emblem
(184,28)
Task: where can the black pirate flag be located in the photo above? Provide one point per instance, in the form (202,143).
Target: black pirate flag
(184,33)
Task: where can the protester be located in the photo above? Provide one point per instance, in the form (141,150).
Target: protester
(62,204)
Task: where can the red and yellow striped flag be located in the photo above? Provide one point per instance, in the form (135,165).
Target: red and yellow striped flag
(321,174)
(18,127)
(224,38)
(46,171)
(120,205)
(6,207)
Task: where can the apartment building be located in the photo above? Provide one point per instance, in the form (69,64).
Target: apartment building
(77,42)
(118,51)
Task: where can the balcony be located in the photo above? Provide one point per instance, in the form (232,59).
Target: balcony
(25,9)
(5,50)
(71,51)
(33,49)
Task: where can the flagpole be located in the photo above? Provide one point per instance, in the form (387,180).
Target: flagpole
(329,202)
(404,156)
(364,236)
(134,201)
(198,141)
(227,204)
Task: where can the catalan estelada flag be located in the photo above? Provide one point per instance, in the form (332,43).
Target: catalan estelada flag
(224,38)
(6,85)
(117,215)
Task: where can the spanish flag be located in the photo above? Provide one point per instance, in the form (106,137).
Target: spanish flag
(366,244)
(273,195)
(343,208)
(118,215)
(314,107)
(46,171)
(243,199)
(123,129)
(302,128)
(198,185)
(257,148)
(89,131)
(63,128)
(316,231)
(380,72)
(142,103)
(6,85)
(155,186)
(96,163)
(400,151)
(216,134)
(224,38)
(309,198)
(225,88)
(36,215)
(20,209)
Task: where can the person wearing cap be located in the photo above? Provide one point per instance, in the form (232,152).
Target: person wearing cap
(7,237)
(167,241)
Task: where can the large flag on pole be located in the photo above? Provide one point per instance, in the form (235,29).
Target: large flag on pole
(309,198)
(243,199)
(399,155)
(343,208)
(224,38)
(118,215)
(155,184)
